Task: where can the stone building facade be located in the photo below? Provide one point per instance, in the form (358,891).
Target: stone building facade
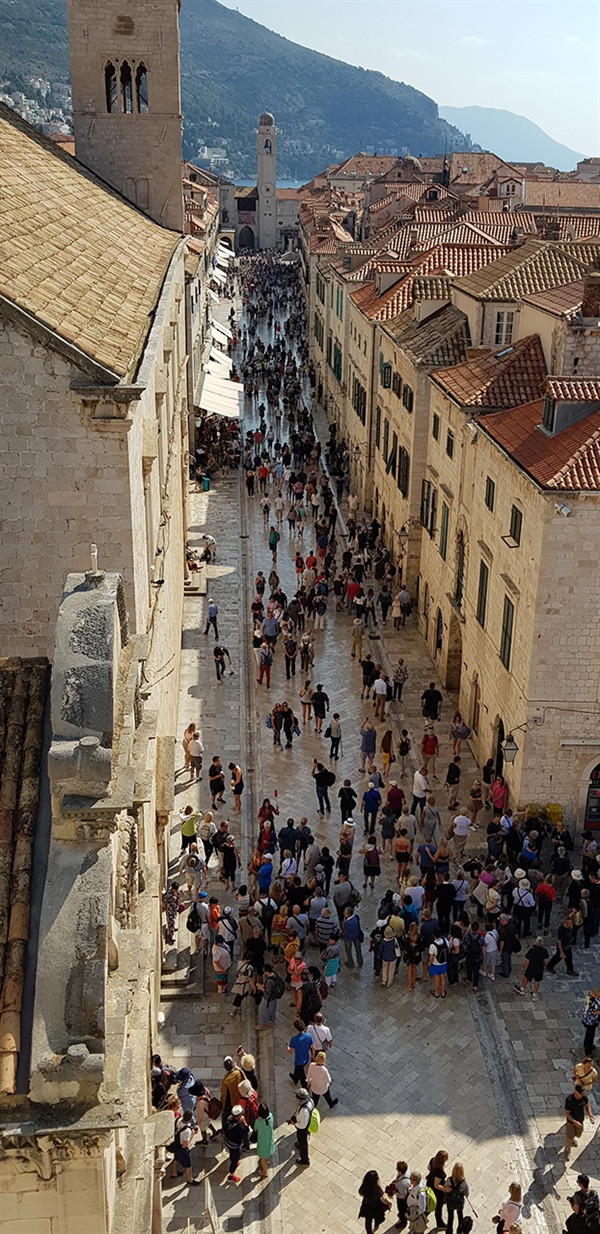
(490,526)
(126,100)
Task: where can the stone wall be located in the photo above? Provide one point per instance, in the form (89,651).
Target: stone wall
(64,487)
(139,154)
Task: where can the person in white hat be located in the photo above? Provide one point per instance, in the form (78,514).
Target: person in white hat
(235,1136)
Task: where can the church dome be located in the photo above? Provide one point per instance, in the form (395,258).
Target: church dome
(266,118)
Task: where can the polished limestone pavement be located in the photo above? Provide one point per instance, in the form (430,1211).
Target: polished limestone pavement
(482,1076)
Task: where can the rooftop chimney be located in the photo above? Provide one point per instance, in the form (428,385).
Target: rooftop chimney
(590,307)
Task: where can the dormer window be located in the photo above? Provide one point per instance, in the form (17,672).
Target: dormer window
(505,321)
(549,414)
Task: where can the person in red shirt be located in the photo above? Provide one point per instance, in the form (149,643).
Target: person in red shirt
(545,894)
(429,749)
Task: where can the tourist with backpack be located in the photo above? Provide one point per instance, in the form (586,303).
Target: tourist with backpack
(301,1119)
(585,1207)
(272,988)
(438,965)
(457,1191)
(416,1204)
(473,954)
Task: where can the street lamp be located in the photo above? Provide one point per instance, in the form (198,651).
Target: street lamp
(403,537)
(509,749)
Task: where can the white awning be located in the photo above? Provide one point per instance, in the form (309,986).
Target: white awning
(222,359)
(221,397)
(221,261)
(213,295)
(222,251)
(219,329)
(218,276)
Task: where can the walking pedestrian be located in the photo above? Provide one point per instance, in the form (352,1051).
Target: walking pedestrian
(220,655)
(390,954)
(511,1209)
(533,968)
(564,947)
(371,864)
(212,613)
(416,1204)
(320,706)
(300,1120)
(265,1138)
(318,1080)
(438,965)
(236,785)
(420,786)
(577,1109)
(431,701)
(322,779)
(353,937)
(380,690)
(235,1138)
(335,735)
(375,1203)
(590,1020)
(182,1143)
(399,679)
(300,1046)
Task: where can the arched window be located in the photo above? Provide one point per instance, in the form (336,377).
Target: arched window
(141,89)
(268,147)
(110,86)
(126,88)
(439,631)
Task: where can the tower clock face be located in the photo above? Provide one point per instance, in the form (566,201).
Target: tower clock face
(268,190)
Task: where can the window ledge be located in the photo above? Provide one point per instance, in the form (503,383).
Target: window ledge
(455,608)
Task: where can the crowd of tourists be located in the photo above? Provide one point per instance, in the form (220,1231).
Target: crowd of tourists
(490,893)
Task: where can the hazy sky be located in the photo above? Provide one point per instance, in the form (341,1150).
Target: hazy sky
(540,58)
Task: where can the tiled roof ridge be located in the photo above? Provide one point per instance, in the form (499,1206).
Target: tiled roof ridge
(573,389)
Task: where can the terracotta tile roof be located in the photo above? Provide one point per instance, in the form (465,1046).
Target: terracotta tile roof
(73,253)
(492,380)
(444,258)
(432,287)
(564,301)
(428,234)
(245,190)
(479,168)
(290,194)
(440,340)
(568,461)
(574,389)
(534,266)
(586,250)
(23,688)
(364,165)
(563,193)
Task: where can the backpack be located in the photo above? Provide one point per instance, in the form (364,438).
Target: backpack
(330,775)
(355,898)
(277,986)
(314,1121)
(267,913)
(193,923)
(591,1212)
(431,1200)
(473,945)
(442,952)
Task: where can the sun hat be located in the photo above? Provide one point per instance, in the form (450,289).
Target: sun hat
(525,884)
(371,784)
(519,873)
(388,932)
(237,1111)
(245,1088)
(393,783)
(577,875)
(247,1062)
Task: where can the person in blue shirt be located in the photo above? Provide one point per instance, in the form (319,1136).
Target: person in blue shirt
(264,877)
(211,618)
(300,1046)
(371,802)
(270,629)
(529,852)
(351,932)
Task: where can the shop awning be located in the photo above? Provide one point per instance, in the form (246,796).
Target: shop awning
(221,397)
(218,276)
(213,295)
(221,358)
(222,251)
(219,329)
(221,261)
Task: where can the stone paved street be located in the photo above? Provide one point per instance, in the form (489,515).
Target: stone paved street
(483,1076)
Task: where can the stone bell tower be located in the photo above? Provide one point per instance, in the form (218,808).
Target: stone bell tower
(124,57)
(266,181)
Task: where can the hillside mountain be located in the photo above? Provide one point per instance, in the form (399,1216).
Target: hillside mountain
(512,137)
(232,68)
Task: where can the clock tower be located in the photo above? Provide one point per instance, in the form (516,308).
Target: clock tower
(266,181)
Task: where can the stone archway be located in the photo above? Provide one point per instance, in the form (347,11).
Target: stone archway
(589,796)
(454,660)
(246,238)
